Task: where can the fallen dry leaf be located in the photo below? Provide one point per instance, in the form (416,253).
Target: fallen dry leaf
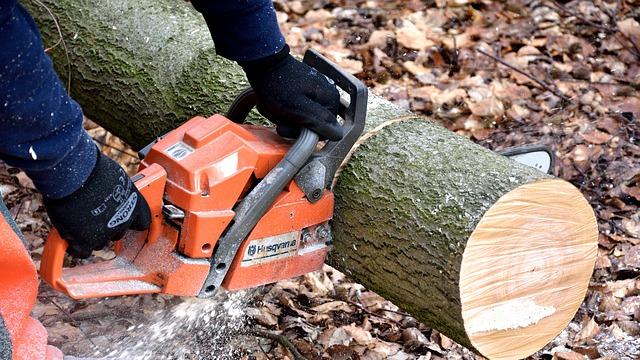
(25,181)
(413,334)
(332,306)
(632,257)
(588,331)
(340,337)
(596,137)
(491,107)
(630,27)
(379,39)
(359,335)
(631,227)
(409,36)
(623,288)
(568,355)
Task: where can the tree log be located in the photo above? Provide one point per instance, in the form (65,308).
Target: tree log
(493,254)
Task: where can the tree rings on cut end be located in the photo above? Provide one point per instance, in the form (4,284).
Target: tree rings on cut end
(526,268)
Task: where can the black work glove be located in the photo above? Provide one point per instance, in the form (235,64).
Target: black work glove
(102,210)
(292,95)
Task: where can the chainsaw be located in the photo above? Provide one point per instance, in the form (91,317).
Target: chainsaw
(233,205)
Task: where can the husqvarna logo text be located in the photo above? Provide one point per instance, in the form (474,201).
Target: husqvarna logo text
(271,248)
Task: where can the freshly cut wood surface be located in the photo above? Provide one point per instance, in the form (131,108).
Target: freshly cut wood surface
(526,268)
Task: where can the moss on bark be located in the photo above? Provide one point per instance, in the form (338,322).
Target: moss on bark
(406,204)
(138,68)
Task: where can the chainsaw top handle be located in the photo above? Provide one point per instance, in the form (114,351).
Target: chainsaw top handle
(320,169)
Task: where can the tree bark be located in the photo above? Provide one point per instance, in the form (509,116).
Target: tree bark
(139,68)
(493,254)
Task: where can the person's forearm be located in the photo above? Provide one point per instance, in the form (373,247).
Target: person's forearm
(40,125)
(242,30)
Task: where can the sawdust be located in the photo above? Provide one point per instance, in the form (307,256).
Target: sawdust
(193,329)
(509,315)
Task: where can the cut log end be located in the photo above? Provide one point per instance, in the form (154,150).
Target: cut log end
(526,268)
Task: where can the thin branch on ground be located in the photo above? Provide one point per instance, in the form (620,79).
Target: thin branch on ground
(546,86)
(369,312)
(454,67)
(281,339)
(612,19)
(115,148)
(401,313)
(620,82)
(263,352)
(612,29)
(96,314)
(75,323)
(15,217)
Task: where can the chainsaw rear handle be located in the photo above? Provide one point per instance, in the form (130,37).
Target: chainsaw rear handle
(321,168)
(52,261)
(151,183)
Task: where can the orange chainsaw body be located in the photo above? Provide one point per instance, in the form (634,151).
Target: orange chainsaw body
(192,178)
(233,206)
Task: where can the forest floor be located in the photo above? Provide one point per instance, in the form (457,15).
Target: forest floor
(564,74)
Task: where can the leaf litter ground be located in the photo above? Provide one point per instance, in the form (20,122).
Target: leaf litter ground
(565,74)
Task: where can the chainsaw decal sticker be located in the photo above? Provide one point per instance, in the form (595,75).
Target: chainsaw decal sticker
(179,151)
(229,165)
(269,249)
